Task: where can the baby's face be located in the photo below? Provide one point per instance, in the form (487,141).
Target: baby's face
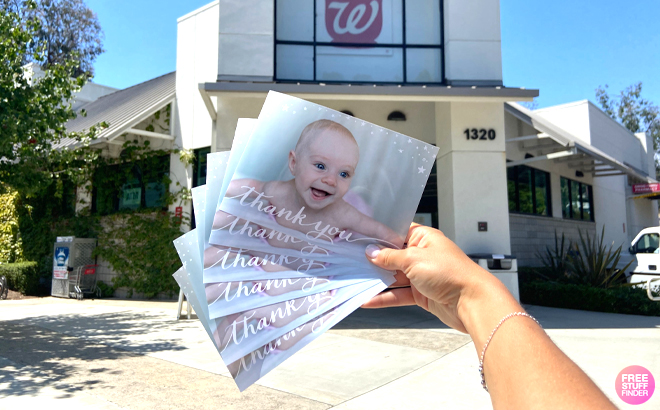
(323,170)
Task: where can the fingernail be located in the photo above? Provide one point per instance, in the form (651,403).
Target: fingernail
(372,251)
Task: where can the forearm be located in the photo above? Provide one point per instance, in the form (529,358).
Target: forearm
(523,368)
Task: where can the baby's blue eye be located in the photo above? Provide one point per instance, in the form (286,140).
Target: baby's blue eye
(343,174)
(320,166)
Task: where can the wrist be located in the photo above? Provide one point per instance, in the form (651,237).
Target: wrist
(484,300)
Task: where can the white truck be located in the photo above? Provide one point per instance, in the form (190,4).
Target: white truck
(646,248)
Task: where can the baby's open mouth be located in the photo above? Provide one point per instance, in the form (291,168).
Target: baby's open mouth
(319,194)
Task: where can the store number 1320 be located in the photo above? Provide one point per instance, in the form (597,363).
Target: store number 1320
(479,134)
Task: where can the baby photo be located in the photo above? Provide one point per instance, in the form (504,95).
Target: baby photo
(323,164)
(322,184)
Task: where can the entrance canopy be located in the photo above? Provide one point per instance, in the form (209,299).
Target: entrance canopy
(554,143)
(363,92)
(648,191)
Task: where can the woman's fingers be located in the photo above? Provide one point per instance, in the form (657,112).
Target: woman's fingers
(391,298)
(386,258)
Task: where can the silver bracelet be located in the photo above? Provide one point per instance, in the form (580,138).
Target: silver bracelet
(483,352)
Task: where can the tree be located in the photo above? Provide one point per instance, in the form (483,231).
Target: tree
(66,28)
(33,112)
(633,112)
(45,174)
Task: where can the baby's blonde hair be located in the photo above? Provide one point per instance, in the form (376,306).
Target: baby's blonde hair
(313,129)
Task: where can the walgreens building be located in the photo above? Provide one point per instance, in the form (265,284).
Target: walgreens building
(506,178)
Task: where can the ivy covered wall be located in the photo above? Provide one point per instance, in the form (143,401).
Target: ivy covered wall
(11,246)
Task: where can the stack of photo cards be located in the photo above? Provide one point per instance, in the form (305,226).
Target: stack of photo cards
(278,253)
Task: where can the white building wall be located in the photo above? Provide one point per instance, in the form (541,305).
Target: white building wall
(472,177)
(571,117)
(246,38)
(419,115)
(642,213)
(473,50)
(613,139)
(196,62)
(230,109)
(91,92)
(647,143)
(610,209)
(591,125)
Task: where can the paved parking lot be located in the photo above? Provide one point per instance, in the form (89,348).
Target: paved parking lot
(118,354)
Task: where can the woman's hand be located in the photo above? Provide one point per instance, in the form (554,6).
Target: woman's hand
(436,274)
(444,281)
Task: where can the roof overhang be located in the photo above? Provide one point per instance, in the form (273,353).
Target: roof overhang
(557,144)
(123,110)
(362,92)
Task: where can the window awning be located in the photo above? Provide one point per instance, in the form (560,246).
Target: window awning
(647,191)
(554,143)
(652,195)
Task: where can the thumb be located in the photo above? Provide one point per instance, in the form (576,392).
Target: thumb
(386,258)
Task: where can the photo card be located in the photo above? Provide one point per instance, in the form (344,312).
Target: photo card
(278,254)
(320,184)
(248,257)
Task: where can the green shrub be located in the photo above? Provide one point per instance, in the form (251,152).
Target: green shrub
(624,299)
(595,264)
(22,277)
(587,262)
(555,260)
(103,290)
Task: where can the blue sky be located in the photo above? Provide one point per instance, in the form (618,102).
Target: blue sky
(563,48)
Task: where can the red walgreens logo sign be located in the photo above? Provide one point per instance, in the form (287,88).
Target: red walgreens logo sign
(645,188)
(354,21)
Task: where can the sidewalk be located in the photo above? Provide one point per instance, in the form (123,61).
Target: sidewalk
(118,354)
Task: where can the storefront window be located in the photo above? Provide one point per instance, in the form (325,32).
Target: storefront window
(199,166)
(565,198)
(359,41)
(528,190)
(576,200)
(131,186)
(542,192)
(586,202)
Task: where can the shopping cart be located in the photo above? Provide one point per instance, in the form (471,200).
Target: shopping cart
(82,281)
